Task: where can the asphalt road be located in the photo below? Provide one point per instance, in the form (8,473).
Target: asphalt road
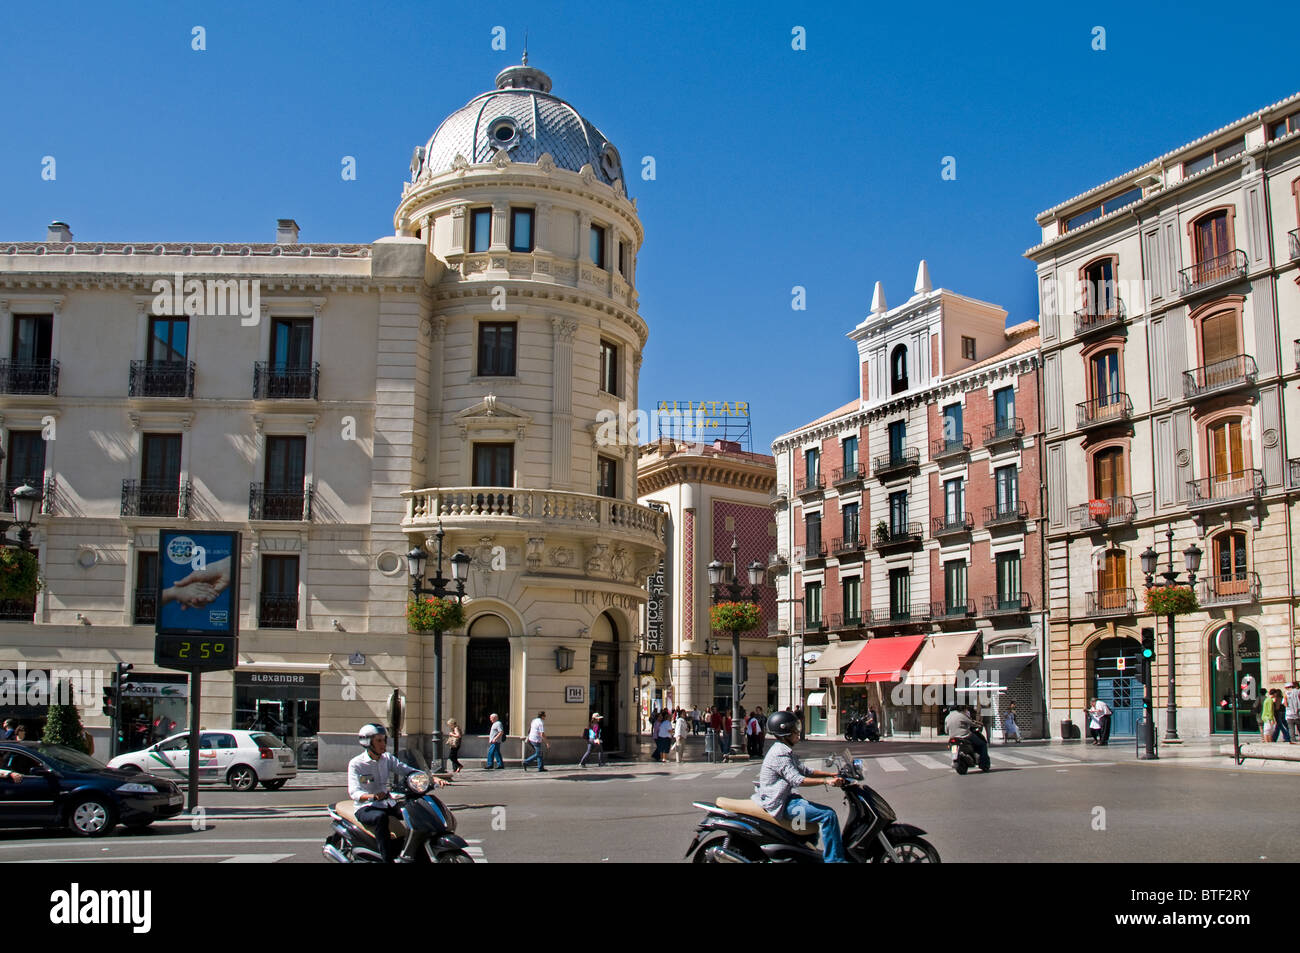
(1038,804)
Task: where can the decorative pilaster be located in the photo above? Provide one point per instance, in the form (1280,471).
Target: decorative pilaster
(458,237)
(563,332)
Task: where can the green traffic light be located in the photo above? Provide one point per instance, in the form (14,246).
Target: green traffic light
(1148,653)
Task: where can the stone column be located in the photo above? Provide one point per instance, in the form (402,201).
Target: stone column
(458,232)
(562,403)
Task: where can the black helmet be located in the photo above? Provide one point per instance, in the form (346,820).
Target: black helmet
(781,724)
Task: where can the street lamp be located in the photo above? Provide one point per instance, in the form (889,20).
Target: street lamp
(1191,562)
(735,592)
(415,560)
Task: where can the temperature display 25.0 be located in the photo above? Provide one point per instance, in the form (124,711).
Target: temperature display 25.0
(195,652)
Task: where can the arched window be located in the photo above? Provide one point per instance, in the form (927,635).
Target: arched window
(898,369)
(1228,572)
(487,674)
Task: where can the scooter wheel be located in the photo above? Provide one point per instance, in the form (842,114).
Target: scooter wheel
(913,850)
(702,853)
(961,766)
(455,857)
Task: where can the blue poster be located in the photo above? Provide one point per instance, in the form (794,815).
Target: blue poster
(198,583)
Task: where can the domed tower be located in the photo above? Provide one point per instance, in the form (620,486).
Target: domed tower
(534,350)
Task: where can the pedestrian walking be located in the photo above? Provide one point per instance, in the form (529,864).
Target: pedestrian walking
(1009,727)
(454,737)
(679,735)
(537,738)
(20,733)
(1292,712)
(594,742)
(751,735)
(496,734)
(664,734)
(1094,723)
(9,727)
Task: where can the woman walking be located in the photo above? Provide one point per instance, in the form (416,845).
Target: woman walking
(454,736)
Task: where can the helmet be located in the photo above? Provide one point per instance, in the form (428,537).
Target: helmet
(368,733)
(781,724)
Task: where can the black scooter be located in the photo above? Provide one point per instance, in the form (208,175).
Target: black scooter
(859,728)
(963,753)
(429,829)
(740,832)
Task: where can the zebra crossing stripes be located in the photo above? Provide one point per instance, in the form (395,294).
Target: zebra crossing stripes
(732,772)
(687,777)
(1048,756)
(931,761)
(889,764)
(1010,759)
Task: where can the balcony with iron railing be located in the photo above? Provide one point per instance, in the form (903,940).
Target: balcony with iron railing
(1229,589)
(812,625)
(1293,242)
(17,377)
(166,500)
(814,549)
(847,545)
(1108,603)
(279,504)
(161,379)
(277,611)
(17,610)
(1003,604)
(1006,513)
(902,615)
(807,487)
(1100,411)
(944,611)
(145,606)
(1212,272)
(847,476)
(1103,513)
(1224,488)
(1098,318)
(942,449)
(1225,375)
(951,524)
(840,620)
(1003,431)
(893,464)
(273,381)
(34,481)
(891,536)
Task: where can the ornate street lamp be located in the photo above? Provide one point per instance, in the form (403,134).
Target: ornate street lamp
(415,561)
(1191,562)
(735,592)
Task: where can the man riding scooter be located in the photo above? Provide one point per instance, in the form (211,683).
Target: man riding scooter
(961,726)
(370,776)
(782,772)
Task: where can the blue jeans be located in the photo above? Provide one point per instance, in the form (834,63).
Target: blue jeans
(832,843)
(494,754)
(536,756)
(1280,731)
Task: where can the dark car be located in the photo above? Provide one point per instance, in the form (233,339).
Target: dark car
(57,786)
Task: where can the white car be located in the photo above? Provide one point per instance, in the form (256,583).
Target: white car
(238,758)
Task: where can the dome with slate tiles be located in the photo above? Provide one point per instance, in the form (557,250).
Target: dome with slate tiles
(522,118)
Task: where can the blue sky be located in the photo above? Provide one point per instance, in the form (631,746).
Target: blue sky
(775,167)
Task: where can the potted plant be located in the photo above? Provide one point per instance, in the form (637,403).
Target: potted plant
(20,577)
(882,532)
(425,615)
(735,617)
(1171,600)
(63,721)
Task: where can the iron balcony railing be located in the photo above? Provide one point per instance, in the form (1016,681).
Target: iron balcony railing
(146,606)
(891,535)
(1293,239)
(30,378)
(1010,428)
(161,379)
(848,544)
(1011,511)
(841,620)
(811,625)
(904,615)
(888,464)
(1116,511)
(815,549)
(1113,408)
(943,609)
(1229,589)
(279,504)
(1238,371)
(34,481)
(942,448)
(1109,602)
(17,610)
(277,611)
(1225,488)
(805,486)
(275,381)
(843,476)
(169,500)
(1213,271)
(1013,603)
(1093,318)
(951,524)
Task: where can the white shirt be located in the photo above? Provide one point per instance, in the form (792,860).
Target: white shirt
(535,731)
(496,732)
(1102,708)
(367,775)
(751,726)
(1292,702)
(679,728)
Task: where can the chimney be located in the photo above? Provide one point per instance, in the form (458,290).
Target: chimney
(286,231)
(58,232)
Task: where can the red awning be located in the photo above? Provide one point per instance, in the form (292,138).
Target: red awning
(883,660)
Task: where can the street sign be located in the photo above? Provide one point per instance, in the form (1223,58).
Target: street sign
(1121,663)
(1099,509)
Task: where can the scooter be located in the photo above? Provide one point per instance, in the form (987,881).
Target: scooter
(963,753)
(739,831)
(428,827)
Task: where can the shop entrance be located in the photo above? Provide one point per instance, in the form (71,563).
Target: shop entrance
(1117,667)
(604,680)
(153,708)
(1224,691)
(285,704)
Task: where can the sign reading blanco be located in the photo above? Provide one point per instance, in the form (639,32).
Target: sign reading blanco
(76,906)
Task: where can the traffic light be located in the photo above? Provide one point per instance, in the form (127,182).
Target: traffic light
(1148,644)
(110,697)
(112,706)
(1148,664)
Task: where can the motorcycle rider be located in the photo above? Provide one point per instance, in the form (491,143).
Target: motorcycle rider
(782,772)
(369,777)
(961,726)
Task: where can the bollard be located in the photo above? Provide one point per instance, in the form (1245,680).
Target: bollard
(708,744)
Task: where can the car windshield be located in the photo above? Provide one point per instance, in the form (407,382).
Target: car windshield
(68,759)
(267,741)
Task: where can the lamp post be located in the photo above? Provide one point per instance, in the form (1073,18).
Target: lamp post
(438,588)
(1191,562)
(734,592)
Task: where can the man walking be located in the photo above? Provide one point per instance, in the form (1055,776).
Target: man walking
(537,738)
(496,734)
(1292,696)
(1103,710)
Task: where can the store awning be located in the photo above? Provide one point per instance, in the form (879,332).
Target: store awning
(884,660)
(833,658)
(817,700)
(997,673)
(940,659)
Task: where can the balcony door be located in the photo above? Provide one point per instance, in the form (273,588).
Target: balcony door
(286,471)
(1104,375)
(1227,457)
(1220,348)
(1004,409)
(1108,474)
(1230,564)
(850,523)
(32,337)
(1099,287)
(1211,237)
(1008,581)
(168,340)
(952,425)
(897,439)
(898,513)
(290,344)
(160,475)
(1112,580)
(810,463)
(813,531)
(954,586)
(851,600)
(24,463)
(954,501)
(1008,490)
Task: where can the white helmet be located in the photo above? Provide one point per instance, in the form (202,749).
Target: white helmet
(368,733)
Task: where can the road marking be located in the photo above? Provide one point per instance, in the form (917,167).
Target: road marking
(1048,756)
(260,858)
(932,761)
(1009,759)
(255,858)
(688,777)
(732,772)
(889,764)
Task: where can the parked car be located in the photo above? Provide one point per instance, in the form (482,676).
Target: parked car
(57,786)
(238,758)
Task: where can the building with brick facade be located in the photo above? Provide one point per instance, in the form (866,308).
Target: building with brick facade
(1170,310)
(910,519)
